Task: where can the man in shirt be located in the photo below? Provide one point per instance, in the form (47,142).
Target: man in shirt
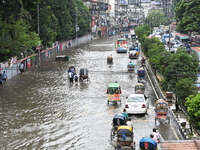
(4,76)
(71,77)
(125,114)
(129,123)
(156,136)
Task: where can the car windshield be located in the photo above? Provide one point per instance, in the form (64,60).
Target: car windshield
(135,99)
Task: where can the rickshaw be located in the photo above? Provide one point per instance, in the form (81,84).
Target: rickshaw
(139,88)
(125,138)
(114,91)
(83,75)
(147,144)
(141,74)
(162,111)
(117,121)
(130,67)
(110,59)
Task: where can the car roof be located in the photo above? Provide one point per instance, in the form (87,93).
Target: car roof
(136,95)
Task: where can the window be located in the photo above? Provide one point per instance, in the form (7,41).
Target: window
(135,99)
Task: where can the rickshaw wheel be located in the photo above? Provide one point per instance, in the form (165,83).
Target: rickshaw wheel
(112,134)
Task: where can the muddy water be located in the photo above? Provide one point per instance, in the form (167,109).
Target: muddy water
(40,110)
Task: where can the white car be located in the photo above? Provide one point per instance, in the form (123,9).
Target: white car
(137,104)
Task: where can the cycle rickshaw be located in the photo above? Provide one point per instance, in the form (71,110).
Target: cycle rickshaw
(117,121)
(139,88)
(83,75)
(162,111)
(125,138)
(147,144)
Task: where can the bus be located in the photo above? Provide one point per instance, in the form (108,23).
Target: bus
(181,37)
(121,45)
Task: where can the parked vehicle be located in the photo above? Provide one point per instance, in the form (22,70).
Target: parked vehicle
(181,37)
(121,45)
(125,138)
(162,111)
(139,88)
(117,121)
(137,104)
(114,91)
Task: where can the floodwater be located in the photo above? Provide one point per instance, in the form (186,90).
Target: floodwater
(40,110)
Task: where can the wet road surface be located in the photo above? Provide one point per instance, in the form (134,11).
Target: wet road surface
(40,110)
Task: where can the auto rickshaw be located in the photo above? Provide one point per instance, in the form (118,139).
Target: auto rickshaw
(125,138)
(139,88)
(162,111)
(117,121)
(114,91)
(83,75)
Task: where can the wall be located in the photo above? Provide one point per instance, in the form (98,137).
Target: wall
(12,69)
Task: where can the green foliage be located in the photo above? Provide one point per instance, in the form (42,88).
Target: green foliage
(19,23)
(188,16)
(142,32)
(156,18)
(185,87)
(181,66)
(16,38)
(193,105)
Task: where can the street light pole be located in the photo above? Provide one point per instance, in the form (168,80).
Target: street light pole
(76,26)
(38,22)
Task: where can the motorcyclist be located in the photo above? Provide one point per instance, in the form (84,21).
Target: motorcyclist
(143,61)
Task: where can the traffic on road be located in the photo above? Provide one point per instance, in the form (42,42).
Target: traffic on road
(40,109)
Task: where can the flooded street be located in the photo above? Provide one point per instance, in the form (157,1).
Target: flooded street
(41,110)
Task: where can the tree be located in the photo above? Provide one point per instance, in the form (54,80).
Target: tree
(188,16)
(16,38)
(155,18)
(193,105)
(183,88)
(182,66)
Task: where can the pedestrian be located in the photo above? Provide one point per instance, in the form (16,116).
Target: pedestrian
(4,76)
(125,114)
(129,123)
(21,67)
(76,78)
(71,77)
(156,136)
(1,82)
